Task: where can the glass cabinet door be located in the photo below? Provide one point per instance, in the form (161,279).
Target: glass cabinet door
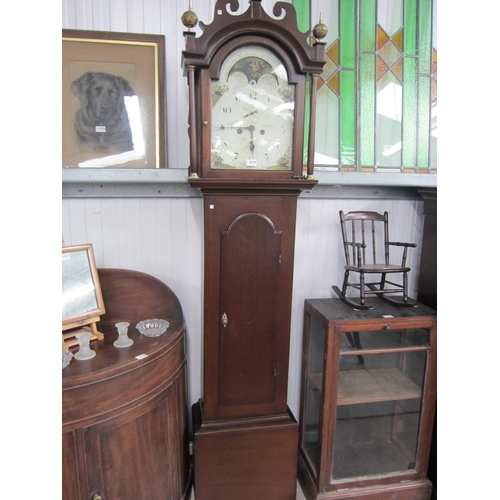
(313,394)
(379,401)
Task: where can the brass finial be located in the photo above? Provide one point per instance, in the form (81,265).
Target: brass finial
(189,18)
(320,30)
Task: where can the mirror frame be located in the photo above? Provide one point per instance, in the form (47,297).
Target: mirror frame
(87,316)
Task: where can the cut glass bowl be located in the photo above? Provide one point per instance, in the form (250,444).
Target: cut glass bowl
(153,327)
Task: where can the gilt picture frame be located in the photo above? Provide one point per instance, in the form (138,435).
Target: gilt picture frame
(113,100)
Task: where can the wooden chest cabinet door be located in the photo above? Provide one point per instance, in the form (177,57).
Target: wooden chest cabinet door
(72,457)
(129,457)
(250,255)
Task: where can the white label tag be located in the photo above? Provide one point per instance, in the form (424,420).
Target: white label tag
(100,128)
(141,356)
(387,316)
(251,163)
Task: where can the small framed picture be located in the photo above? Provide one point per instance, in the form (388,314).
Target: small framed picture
(113,100)
(82,301)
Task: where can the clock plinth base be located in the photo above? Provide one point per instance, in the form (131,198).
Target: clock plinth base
(247,459)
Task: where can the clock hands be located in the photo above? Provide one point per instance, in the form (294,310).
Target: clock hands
(252,145)
(239,130)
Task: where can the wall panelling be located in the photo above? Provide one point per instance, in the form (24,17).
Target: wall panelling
(163,237)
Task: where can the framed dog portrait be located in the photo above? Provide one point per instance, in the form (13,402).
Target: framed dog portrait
(113,100)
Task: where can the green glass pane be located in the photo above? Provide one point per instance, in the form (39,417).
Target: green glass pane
(348,33)
(388,121)
(302,8)
(327,127)
(348,114)
(411,27)
(367,110)
(368,24)
(410,112)
(424,121)
(425,36)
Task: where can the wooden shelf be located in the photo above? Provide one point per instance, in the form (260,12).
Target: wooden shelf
(369,386)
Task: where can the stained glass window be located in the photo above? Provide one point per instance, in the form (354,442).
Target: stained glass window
(377,96)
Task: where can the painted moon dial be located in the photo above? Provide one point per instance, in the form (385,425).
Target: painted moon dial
(252,112)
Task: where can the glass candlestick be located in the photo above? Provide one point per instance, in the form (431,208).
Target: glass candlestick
(123,338)
(85,351)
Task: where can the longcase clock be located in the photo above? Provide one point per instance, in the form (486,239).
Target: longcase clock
(252,88)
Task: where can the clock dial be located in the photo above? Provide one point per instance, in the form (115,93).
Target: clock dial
(252,112)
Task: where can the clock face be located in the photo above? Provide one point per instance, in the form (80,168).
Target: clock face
(252,112)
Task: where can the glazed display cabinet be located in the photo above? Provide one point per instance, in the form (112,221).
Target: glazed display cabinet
(368,401)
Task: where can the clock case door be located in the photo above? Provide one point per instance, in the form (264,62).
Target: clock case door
(249,247)
(207,75)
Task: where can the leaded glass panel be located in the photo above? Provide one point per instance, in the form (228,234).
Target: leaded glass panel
(377,96)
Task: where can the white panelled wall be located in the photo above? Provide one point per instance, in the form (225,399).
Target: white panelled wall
(164,237)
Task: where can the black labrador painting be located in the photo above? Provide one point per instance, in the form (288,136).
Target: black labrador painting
(101,124)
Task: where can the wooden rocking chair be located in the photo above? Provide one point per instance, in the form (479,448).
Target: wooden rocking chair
(365,236)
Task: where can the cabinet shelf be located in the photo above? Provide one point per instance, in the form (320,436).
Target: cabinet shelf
(370,386)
